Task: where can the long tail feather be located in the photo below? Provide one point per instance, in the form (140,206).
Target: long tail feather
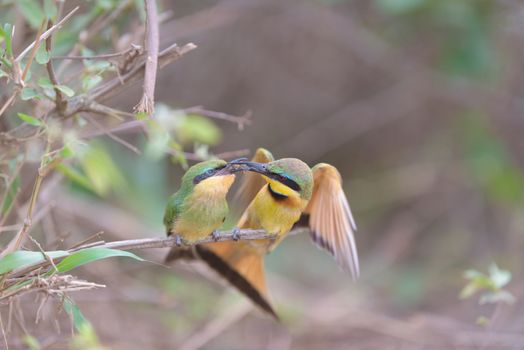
(180,253)
(243,269)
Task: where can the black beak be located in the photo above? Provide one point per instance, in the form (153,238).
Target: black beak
(260,168)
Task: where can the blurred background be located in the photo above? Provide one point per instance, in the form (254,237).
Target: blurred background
(418,103)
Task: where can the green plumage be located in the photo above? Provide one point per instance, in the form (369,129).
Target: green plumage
(184,206)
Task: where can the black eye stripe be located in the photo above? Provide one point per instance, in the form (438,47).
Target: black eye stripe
(288,182)
(206,174)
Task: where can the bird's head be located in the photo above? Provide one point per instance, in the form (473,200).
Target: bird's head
(287,177)
(213,172)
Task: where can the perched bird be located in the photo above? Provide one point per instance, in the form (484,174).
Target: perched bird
(290,190)
(199,207)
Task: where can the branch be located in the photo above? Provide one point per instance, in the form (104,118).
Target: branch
(148,243)
(46,34)
(81,103)
(167,242)
(241,121)
(147,103)
(60,103)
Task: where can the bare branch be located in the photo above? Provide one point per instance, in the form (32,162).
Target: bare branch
(241,121)
(147,103)
(60,103)
(168,55)
(46,34)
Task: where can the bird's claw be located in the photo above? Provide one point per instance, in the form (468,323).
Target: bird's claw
(236,234)
(215,235)
(178,240)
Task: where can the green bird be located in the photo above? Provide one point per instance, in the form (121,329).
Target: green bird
(199,207)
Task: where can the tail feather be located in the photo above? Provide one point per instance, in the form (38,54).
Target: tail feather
(177,253)
(244,271)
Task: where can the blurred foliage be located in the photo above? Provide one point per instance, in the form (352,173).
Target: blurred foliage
(461,28)
(489,160)
(491,286)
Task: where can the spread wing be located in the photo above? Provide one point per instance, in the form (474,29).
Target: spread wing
(251,182)
(330,219)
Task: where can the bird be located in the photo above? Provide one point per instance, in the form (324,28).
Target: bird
(290,192)
(199,207)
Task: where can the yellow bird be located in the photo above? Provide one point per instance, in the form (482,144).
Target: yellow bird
(289,190)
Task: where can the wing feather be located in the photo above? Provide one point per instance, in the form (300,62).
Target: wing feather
(330,218)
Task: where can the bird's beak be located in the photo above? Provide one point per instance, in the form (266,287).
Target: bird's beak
(260,168)
(234,166)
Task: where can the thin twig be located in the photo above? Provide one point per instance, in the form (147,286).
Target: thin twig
(60,103)
(46,34)
(147,102)
(241,121)
(98,57)
(83,102)
(33,51)
(113,136)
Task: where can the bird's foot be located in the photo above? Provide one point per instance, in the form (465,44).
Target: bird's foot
(236,234)
(178,240)
(215,235)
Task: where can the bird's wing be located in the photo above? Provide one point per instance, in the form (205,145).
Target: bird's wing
(330,219)
(251,183)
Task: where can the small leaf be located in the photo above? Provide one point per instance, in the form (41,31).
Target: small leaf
(499,277)
(497,297)
(88,255)
(50,9)
(482,321)
(141,116)
(22,258)
(66,90)
(90,82)
(29,120)
(8,30)
(77,316)
(42,55)
(31,11)
(66,152)
(10,195)
(468,291)
(31,342)
(29,94)
(45,83)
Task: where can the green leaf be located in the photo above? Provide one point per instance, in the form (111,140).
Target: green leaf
(31,342)
(10,195)
(501,296)
(31,11)
(45,83)
(77,316)
(397,7)
(29,120)
(66,152)
(50,9)
(42,55)
(76,177)
(499,277)
(29,94)
(101,170)
(88,255)
(196,128)
(141,116)
(66,90)
(3,74)
(8,33)
(22,258)
(90,82)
